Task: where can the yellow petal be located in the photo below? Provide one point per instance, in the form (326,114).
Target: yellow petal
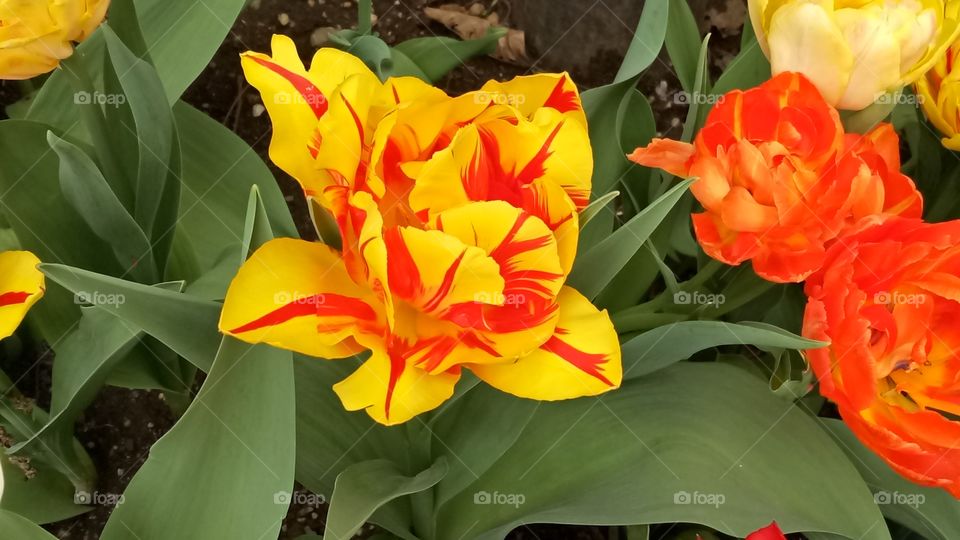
(296,98)
(876,52)
(432,270)
(393,390)
(523,316)
(804,38)
(529,93)
(581,359)
(297,295)
(21,285)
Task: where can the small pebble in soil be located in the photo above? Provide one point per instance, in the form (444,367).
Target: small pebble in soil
(284,19)
(258,110)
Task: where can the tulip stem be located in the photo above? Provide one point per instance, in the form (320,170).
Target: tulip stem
(365,16)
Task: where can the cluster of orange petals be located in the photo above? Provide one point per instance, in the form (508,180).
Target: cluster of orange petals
(779,180)
(887,301)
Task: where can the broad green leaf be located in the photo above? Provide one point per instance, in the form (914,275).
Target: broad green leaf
(930,512)
(171,27)
(436,56)
(363,488)
(46,498)
(683,43)
(232,452)
(15,526)
(660,347)
(322,453)
(600,264)
(90,195)
(403,66)
(45,222)
(218,172)
(374,52)
(650,453)
(186,324)
(470,452)
(647,40)
(153,130)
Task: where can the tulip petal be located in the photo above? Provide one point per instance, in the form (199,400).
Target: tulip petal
(675,157)
(526,252)
(21,285)
(297,295)
(581,359)
(296,98)
(876,53)
(529,93)
(804,38)
(392,389)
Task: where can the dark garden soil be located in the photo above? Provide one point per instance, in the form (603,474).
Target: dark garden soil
(121,425)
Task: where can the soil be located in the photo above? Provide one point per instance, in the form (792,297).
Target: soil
(121,425)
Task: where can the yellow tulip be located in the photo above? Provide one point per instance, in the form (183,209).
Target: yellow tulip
(459,221)
(21,285)
(35,35)
(939,95)
(855,51)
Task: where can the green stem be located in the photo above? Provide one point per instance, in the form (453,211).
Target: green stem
(364,16)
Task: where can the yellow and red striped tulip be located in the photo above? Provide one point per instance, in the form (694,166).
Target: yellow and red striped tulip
(458,217)
(35,35)
(855,51)
(21,285)
(779,180)
(886,301)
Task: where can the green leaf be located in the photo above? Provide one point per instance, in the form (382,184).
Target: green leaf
(666,345)
(218,171)
(186,324)
(152,129)
(45,222)
(701,90)
(931,512)
(322,453)
(647,40)
(364,487)
(649,453)
(256,230)
(48,497)
(171,27)
(683,43)
(864,120)
(596,207)
(600,264)
(21,528)
(470,452)
(232,452)
(90,195)
(435,56)
(374,52)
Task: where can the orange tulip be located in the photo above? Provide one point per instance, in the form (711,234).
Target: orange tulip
(779,179)
(887,301)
